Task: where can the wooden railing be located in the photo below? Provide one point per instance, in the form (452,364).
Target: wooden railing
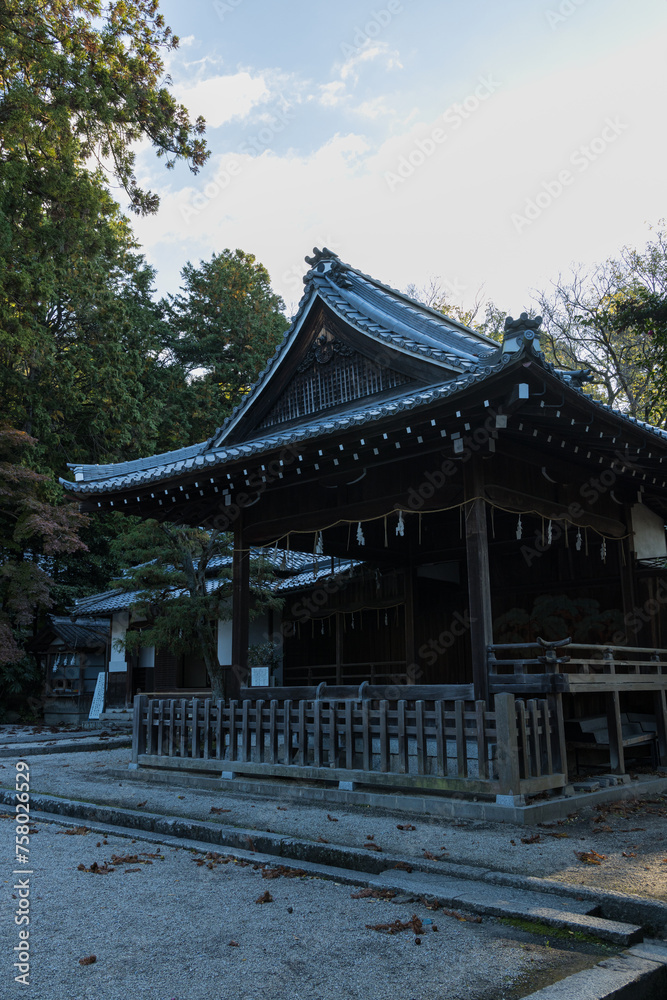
(556,668)
(437,745)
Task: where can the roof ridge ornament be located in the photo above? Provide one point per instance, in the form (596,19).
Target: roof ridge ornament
(521,334)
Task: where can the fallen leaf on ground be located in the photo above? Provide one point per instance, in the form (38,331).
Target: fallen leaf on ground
(405,826)
(396,926)
(283,870)
(96,869)
(72,831)
(266,897)
(535,839)
(128,870)
(216,811)
(403,866)
(591,857)
(141,804)
(233,944)
(373,847)
(331,818)
(373,894)
(89,960)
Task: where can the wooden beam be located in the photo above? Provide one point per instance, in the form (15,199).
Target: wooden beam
(479,583)
(240,610)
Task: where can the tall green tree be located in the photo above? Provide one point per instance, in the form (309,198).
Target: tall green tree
(226,322)
(82,81)
(36,528)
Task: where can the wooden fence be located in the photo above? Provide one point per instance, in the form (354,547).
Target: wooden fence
(438,745)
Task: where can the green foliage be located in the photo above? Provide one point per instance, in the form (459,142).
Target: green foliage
(183,584)
(612,320)
(36,527)
(226,322)
(80,81)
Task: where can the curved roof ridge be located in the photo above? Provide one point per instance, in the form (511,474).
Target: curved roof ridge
(410,302)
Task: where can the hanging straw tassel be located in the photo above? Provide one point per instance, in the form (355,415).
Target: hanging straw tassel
(400,527)
(360,535)
(603,550)
(319,544)
(550,534)
(519,529)
(577,544)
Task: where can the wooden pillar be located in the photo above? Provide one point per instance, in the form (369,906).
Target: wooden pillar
(240,611)
(479,582)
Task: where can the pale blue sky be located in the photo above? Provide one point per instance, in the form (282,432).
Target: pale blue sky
(485,143)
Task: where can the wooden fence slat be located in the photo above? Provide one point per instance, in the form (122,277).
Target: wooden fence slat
(461,748)
(287,730)
(160,727)
(172,726)
(420,736)
(403,748)
(195,727)
(149,727)
(273,731)
(183,731)
(349,735)
(482,745)
(219,753)
(546,737)
(233,743)
(259,731)
(207,724)
(333,735)
(535,742)
(367,746)
(384,737)
(303,735)
(522,736)
(317,733)
(245,731)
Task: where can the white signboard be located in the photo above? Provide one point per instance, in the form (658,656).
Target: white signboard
(98,698)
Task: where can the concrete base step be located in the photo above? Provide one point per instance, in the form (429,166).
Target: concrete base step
(567,914)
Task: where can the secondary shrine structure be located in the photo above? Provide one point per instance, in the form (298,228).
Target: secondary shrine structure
(481,500)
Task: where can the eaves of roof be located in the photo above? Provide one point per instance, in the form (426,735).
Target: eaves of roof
(326,425)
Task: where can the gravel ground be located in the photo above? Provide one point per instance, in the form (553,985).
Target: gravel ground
(630,834)
(162,932)
(160,928)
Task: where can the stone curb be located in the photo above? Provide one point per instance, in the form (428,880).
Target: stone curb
(650,914)
(21,750)
(628,976)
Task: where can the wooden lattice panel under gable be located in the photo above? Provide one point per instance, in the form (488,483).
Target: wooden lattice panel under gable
(331,374)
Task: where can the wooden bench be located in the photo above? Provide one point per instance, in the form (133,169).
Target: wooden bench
(593,734)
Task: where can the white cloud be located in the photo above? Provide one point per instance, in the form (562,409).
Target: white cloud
(367,53)
(451,214)
(222,98)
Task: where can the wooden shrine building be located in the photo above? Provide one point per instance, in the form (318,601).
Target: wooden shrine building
(491,499)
